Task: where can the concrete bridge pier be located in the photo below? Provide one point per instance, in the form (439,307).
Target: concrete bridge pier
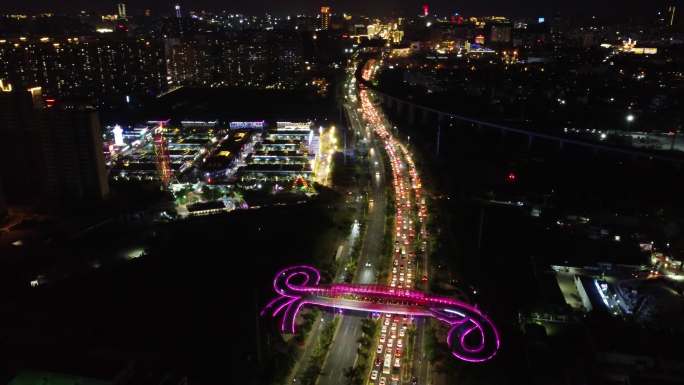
(441,118)
(412,114)
(426,117)
(400,108)
(389,103)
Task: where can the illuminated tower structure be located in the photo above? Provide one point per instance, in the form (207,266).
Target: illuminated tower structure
(121,10)
(426,10)
(179,16)
(325,17)
(118,136)
(163,159)
(670,15)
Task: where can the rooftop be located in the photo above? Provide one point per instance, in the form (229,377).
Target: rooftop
(47,378)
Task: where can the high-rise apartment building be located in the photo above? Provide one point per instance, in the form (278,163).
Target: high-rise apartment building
(106,69)
(111,69)
(253,59)
(188,62)
(51,154)
(72,152)
(326,13)
(501,33)
(19,122)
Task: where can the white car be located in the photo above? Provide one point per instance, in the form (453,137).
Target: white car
(382,380)
(397,362)
(379,351)
(399,343)
(374,375)
(390,342)
(383,337)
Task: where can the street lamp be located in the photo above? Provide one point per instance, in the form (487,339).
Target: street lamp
(630,118)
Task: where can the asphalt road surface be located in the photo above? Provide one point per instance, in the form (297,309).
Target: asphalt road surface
(342,352)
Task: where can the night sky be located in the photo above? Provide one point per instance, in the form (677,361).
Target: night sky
(373,7)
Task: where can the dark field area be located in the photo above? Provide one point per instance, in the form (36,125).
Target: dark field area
(189,306)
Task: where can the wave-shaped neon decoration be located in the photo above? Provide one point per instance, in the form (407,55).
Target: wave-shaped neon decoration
(472,336)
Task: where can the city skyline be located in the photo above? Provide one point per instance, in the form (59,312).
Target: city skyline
(529,8)
(485,198)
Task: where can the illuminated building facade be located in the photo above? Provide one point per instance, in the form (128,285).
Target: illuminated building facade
(121,10)
(187,62)
(102,68)
(629,46)
(253,59)
(501,33)
(670,15)
(397,36)
(388,31)
(283,156)
(118,135)
(113,68)
(326,13)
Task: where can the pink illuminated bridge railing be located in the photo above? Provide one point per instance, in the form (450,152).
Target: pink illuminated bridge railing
(472,336)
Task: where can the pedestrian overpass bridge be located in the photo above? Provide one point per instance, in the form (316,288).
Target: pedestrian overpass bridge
(472,336)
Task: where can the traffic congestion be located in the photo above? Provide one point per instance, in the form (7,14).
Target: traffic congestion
(410,232)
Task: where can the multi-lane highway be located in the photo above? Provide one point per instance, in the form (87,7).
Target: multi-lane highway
(389,352)
(389,363)
(342,352)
